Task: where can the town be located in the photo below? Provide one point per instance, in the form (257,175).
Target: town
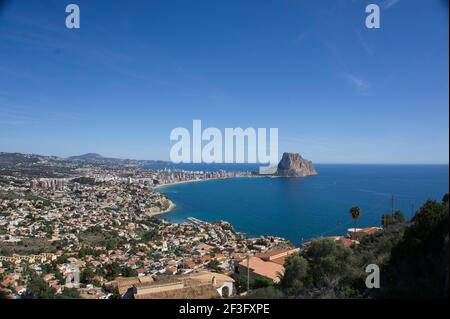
(99,219)
(92,230)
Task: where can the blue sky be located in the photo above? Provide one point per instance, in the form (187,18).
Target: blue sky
(337,92)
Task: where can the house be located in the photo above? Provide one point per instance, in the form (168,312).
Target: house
(277,255)
(172,270)
(269,264)
(141,271)
(258,267)
(123,284)
(205,258)
(358,233)
(347,242)
(196,285)
(91,293)
(203,248)
(188,264)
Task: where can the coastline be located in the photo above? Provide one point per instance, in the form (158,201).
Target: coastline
(206,180)
(182,182)
(173,205)
(224,178)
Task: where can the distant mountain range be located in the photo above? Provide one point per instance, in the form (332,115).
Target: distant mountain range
(87,157)
(18,158)
(97,158)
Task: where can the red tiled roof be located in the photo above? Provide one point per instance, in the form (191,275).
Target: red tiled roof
(263,268)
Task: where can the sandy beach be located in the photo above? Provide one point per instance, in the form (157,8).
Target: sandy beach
(184,182)
(205,180)
(171,206)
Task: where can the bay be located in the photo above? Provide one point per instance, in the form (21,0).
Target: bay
(303,208)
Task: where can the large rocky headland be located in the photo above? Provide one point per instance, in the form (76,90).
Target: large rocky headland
(294,165)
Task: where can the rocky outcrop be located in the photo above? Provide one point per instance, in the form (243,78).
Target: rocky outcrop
(293,165)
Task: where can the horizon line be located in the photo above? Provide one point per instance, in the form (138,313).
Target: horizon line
(262,164)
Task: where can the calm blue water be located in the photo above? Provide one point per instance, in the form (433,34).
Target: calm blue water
(297,208)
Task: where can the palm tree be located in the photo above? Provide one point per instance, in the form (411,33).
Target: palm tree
(356,213)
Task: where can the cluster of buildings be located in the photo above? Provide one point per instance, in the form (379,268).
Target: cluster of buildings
(49,183)
(17,259)
(95,231)
(201,284)
(170,176)
(99,225)
(61,215)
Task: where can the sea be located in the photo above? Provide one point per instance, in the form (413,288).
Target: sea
(303,208)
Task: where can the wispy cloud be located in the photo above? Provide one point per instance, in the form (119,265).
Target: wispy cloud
(300,38)
(38,34)
(364,43)
(359,82)
(389,3)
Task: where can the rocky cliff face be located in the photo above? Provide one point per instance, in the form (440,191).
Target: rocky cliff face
(293,165)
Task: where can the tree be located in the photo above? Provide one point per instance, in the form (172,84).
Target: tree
(399,217)
(69,293)
(266,293)
(129,272)
(111,244)
(295,277)
(445,199)
(214,264)
(395,218)
(355,212)
(86,275)
(39,289)
(419,263)
(240,282)
(112,270)
(114,291)
(63,259)
(262,282)
(329,261)
(323,270)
